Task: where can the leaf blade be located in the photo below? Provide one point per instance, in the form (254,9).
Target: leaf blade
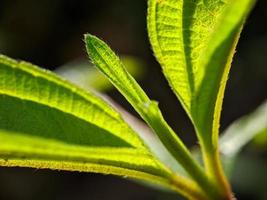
(110,65)
(217,62)
(19,150)
(104,59)
(184,35)
(178,31)
(194,41)
(46,122)
(27,82)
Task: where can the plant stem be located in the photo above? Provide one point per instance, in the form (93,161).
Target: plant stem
(178,150)
(187,188)
(215,171)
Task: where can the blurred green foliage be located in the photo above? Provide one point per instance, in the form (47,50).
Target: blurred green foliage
(84,74)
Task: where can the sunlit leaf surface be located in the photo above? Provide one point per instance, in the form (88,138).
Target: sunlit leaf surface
(194,41)
(46,122)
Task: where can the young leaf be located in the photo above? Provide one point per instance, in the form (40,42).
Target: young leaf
(107,62)
(83,75)
(46,122)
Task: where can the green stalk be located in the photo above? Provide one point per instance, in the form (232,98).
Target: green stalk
(179,151)
(106,60)
(213,167)
(187,188)
(214,170)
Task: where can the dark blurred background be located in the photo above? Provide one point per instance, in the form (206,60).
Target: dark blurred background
(49,33)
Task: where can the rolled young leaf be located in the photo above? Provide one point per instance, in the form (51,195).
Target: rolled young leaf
(107,62)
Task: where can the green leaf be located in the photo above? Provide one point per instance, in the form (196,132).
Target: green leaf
(107,62)
(216,62)
(179,33)
(18,149)
(194,41)
(111,66)
(239,134)
(46,122)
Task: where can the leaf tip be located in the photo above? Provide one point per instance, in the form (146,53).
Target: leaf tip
(93,44)
(88,39)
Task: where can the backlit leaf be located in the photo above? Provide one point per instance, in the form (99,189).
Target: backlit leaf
(107,62)
(194,41)
(46,122)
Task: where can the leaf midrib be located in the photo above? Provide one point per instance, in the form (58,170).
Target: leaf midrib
(187,50)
